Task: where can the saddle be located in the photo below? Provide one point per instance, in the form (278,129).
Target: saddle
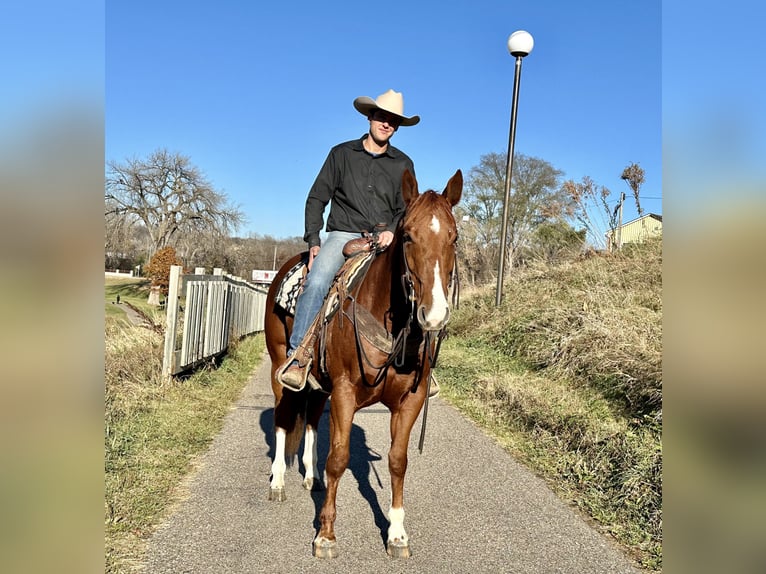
(292,283)
(349,276)
(346,279)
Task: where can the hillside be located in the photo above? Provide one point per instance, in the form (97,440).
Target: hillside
(567,375)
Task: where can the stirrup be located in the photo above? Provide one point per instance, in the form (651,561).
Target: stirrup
(289,380)
(433,387)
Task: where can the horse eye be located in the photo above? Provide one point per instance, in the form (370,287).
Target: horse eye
(406,237)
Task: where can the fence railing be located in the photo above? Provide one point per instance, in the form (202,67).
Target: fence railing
(205,313)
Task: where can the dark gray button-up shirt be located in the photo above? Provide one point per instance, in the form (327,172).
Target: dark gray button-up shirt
(364,189)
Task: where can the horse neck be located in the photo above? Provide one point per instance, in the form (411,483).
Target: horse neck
(381,292)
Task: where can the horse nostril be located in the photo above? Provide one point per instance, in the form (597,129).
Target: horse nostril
(432,324)
(422,316)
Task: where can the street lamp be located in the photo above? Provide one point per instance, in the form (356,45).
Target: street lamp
(520,44)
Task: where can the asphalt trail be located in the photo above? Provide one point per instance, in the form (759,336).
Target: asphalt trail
(470,508)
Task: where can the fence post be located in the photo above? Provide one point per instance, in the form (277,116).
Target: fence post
(171,316)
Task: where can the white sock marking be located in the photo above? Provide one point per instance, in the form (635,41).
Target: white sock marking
(310,453)
(396,529)
(279,465)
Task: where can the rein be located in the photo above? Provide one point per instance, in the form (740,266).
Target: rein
(398,354)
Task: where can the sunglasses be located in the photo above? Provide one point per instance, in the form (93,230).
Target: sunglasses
(385,117)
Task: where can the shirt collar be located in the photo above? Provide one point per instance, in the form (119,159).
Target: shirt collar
(391,151)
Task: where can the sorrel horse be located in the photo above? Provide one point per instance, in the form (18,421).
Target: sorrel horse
(406,293)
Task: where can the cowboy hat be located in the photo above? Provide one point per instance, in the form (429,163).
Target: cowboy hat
(391,102)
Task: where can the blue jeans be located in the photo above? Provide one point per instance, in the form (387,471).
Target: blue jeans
(326,264)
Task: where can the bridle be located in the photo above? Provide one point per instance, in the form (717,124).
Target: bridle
(430,345)
(432,341)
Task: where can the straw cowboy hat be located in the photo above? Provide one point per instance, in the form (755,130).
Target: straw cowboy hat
(391,102)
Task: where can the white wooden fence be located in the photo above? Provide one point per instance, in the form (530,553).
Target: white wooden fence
(205,313)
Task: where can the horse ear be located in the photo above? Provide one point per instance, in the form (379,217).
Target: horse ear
(409,187)
(454,188)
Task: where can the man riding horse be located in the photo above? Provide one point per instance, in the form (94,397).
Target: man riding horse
(363,180)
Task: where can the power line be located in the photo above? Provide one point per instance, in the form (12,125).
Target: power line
(617,201)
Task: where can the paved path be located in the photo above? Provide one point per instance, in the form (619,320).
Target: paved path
(470,508)
(133,316)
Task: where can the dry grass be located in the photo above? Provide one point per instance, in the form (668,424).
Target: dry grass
(154,428)
(567,373)
(597,321)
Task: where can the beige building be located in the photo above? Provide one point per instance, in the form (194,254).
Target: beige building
(637,230)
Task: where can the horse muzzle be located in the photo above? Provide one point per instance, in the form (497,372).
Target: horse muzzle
(433,319)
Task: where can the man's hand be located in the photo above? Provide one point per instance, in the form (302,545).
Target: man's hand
(313,252)
(385,238)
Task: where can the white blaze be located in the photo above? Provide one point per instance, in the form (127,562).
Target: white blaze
(435,226)
(436,315)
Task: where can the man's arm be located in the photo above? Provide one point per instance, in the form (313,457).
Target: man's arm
(317,200)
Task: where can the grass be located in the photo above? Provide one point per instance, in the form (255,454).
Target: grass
(133,291)
(566,375)
(154,428)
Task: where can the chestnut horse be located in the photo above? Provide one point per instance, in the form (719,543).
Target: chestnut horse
(406,292)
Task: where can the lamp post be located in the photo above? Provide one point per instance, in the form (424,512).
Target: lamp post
(520,44)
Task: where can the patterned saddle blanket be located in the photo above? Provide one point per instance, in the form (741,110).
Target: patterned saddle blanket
(291,286)
(346,279)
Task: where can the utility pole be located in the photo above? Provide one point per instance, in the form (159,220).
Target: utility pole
(619,223)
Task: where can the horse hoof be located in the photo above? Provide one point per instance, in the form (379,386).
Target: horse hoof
(398,549)
(277,494)
(313,484)
(324,548)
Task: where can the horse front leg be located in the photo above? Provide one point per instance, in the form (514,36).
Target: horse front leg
(341,419)
(398,545)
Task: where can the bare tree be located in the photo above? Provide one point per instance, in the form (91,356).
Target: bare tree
(634,176)
(590,208)
(169,196)
(116,231)
(475,256)
(535,198)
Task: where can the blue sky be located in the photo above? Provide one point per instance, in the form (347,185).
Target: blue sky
(257,93)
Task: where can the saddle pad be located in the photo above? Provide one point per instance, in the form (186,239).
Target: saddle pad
(345,280)
(288,292)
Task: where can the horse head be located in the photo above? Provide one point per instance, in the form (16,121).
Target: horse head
(429,236)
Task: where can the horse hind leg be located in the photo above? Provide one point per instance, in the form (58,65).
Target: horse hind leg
(316,403)
(278,467)
(286,445)
(311,480)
